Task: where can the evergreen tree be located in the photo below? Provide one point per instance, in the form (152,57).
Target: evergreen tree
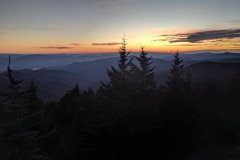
(134,77)
(123,61)
(71,95)
(14,84)
(69,105)
(178,112)
(119,77)
(176,82)
(19,124)
(146,74)
(14,102)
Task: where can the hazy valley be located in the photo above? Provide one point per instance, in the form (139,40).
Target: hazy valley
(55,74)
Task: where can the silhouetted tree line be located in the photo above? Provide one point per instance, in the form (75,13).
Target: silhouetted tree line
(128,117)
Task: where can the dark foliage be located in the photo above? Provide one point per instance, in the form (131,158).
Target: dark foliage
(146,72)
(20,113)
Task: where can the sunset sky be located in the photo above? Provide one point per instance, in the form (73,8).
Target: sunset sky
(80,26)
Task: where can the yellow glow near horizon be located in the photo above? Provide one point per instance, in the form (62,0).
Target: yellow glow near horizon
(34,43)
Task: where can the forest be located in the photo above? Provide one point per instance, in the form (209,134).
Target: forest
(127,117)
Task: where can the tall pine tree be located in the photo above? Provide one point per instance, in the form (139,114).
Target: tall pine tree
(19,124)
(119,77)
(146,72)
(176,82)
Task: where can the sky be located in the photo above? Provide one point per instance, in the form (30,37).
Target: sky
(85,26)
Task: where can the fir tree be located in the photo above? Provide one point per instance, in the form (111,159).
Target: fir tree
(175,82)
(119,77)
(18,124)
(123,61)
(14,97)
(146,74)
(134,77)
(71,95)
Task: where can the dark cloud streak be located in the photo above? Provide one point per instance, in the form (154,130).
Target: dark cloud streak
(162,40)
(75,44)
(199,37)
(207,35)
(106,44)
(56,47)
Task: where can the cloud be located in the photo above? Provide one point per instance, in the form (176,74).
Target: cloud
(218,40)
(75,44)
(168,37)
(206,35)
(187,45)
(106,44)
(161,40)
(164,35)
(67,46)
(56,47)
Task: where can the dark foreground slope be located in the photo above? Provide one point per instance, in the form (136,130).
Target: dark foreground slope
(128,117)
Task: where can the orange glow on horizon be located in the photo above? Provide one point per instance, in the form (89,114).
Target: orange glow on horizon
(39,45)
(103,49)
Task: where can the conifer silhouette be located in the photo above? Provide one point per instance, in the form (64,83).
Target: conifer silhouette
(20,121)
(175,81)
(119,78)
(146,74)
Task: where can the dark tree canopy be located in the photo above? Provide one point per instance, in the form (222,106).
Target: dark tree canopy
(178,80)
(146,74)
(119,77)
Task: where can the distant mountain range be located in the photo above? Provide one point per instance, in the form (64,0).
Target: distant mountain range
(55,74)
(31,61)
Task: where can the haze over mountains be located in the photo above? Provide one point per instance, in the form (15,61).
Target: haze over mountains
(54,74)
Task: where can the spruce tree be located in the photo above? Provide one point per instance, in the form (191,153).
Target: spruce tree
(175,82)
(119,77)
(18,123)
(146,73)
(71,95)
(14,97)
(178,110)
(134,77)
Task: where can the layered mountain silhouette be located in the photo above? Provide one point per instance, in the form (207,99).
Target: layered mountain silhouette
(55,74)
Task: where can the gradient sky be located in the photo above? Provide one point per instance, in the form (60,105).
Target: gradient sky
(70,26)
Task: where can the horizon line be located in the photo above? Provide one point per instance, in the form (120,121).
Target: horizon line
(115,52)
